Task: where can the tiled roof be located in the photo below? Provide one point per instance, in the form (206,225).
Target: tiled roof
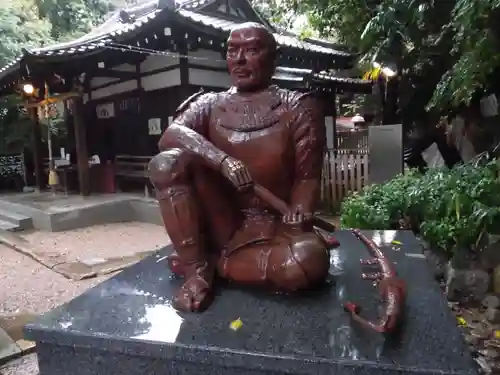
(282,39)
(282,71)
(307,75)
(290,74)
(97,38)
(122,22)
(328,77)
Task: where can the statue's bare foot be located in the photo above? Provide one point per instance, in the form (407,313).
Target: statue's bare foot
(196,292)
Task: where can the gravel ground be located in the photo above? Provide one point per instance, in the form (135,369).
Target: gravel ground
(108,241)
(26,365)
(27,286)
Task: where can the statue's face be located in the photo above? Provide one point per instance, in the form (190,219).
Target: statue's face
(250,59)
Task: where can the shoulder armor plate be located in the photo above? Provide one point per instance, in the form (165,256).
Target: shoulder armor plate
(303,95)
(185,104)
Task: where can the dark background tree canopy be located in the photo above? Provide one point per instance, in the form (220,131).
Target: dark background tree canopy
(34,23)
(453,44)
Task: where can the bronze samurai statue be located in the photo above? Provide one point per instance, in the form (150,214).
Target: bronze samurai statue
(221,152)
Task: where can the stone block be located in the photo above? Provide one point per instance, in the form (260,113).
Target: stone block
(127,326)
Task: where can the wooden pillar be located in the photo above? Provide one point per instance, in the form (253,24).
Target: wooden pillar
(334,119)
(36,142)
(138,76)
(184,89)
(81,146)
(87,89)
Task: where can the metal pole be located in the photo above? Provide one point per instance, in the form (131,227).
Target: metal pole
(53,180)
(49,137)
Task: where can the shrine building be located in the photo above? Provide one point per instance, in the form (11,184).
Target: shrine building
(125,78)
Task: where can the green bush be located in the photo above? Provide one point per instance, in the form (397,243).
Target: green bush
(449,208)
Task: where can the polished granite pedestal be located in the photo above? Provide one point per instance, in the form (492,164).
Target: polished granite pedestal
(126,325)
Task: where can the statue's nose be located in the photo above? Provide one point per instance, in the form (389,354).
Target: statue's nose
(240,57)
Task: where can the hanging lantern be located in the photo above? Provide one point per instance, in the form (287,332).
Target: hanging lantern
(358,120)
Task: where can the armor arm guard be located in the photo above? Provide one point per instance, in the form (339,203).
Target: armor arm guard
(191,114)
(189,130)
(309,135)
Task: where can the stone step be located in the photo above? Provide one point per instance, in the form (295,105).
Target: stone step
(20,220)
(12,343)
(18,208)
(11,227)
(8,347)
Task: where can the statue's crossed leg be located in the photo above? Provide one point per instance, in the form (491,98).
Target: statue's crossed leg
(196,213)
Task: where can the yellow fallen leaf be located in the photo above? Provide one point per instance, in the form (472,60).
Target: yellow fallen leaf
(236,324)
(396,242)
(497,334)
(461,321)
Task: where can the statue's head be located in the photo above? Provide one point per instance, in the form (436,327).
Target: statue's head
(251,56)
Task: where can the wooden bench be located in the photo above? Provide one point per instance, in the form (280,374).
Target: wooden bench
(133,167)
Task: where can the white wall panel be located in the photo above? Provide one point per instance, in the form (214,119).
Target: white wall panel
(161,80)
(158,62)
(114,89)
(209,78)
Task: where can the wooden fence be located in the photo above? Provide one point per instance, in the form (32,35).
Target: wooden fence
(345,170)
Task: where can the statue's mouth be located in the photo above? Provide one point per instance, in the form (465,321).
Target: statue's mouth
(241,73)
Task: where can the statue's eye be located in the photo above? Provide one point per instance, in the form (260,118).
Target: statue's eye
(252,50)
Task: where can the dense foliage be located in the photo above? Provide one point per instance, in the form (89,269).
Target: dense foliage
(285,18)
(35,23)
(448,207)
(72,18)
(452,44)
(21,28)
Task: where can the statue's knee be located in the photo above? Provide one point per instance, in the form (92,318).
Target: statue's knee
(312,255)
(305,263)
(168,167)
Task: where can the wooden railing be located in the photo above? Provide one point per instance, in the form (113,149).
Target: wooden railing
(346,170)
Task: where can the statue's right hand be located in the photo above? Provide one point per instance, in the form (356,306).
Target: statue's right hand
(236,172)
